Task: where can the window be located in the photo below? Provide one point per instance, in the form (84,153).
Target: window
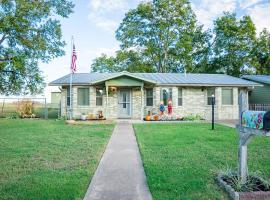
(210,92)
(83,96)
(165,95)
(149,97)
(99,97)
(227,96)
(180,97)
(68,96)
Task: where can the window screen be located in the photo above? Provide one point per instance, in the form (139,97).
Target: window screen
(99,97)
(83,96)
(149,97)
(227,96)
(180,97)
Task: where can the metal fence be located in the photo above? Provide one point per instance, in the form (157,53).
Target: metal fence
(28,108)
(259,107)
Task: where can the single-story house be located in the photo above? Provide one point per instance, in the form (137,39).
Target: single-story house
(133,95)
(260,94)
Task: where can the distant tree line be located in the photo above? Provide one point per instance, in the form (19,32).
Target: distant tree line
(164,36)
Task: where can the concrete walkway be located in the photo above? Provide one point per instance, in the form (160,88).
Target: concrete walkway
(120,174)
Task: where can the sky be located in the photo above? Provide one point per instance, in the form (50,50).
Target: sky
(94,22)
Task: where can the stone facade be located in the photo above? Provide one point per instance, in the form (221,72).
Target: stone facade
(194,102)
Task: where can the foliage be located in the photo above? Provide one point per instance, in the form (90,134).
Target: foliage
(181,160)
(25,108)
(159,36)
(164,36)
(253,183)
(30,32)
(233,44)
(125,60)
(261,52)
(41,159)
(192,117)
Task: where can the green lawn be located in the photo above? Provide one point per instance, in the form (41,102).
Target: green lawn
(42,159)
(181,160)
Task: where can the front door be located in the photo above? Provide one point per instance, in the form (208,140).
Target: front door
(124,103)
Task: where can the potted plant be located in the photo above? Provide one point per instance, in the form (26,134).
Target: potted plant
(148,117)
(83,116)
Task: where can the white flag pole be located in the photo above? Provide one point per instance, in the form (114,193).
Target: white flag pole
(70,86)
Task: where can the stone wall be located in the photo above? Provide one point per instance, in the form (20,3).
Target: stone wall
(194,103)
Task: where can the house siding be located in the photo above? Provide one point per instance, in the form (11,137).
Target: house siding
(194,103)
(260,95)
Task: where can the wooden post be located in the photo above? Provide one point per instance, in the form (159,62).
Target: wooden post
(244,138)
(106,108)
(142,102)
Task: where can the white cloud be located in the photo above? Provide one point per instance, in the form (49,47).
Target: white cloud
(247,3)
(260,16)
(208,10)
(107,14)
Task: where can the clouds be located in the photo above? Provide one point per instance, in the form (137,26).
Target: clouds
(107,14)
(260,16)
(209,10)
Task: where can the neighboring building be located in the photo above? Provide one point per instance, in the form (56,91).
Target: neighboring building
(133,95)
(55,97)
(260,94)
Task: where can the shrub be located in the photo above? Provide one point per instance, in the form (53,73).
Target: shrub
(192,117)
(25,108)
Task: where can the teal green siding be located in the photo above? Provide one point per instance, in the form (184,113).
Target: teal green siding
(260,95)
(123,81)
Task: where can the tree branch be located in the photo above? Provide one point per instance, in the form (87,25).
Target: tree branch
(3,38)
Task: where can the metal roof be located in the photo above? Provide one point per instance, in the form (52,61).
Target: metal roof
(258,78)
(158,78)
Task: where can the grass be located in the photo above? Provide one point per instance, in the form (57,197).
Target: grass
(42,159)
(181,160)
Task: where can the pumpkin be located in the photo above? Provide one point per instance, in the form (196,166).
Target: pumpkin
(148,118)
(156,117)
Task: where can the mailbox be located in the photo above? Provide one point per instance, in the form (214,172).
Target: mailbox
(256,119)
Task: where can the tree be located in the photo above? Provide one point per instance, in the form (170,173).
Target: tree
(261,52)
(127,60)
(167,34)
(233,45)
(30,32)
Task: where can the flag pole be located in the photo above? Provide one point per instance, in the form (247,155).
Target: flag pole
(70,86)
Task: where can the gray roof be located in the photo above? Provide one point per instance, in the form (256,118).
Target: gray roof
(258,78)
(158,78)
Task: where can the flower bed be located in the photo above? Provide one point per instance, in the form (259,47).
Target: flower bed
(255,187)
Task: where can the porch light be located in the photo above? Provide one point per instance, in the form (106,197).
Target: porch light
(101,91)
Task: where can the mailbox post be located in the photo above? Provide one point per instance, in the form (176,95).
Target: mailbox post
(246,134)
(213,111)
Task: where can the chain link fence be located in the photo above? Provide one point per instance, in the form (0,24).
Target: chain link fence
(28,108)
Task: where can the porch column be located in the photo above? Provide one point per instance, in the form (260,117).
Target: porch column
(106,108)
(142,102)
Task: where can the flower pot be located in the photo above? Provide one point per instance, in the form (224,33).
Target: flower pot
(83,117)
(148,118)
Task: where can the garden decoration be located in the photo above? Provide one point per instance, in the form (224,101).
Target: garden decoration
(161,108)
(170,107)
(251,123)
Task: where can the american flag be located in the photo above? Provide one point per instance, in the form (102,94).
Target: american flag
(73,60)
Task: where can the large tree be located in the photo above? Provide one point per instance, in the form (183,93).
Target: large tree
(30,32)
(261,52)
(232,46)
(167,36)
(124,60)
